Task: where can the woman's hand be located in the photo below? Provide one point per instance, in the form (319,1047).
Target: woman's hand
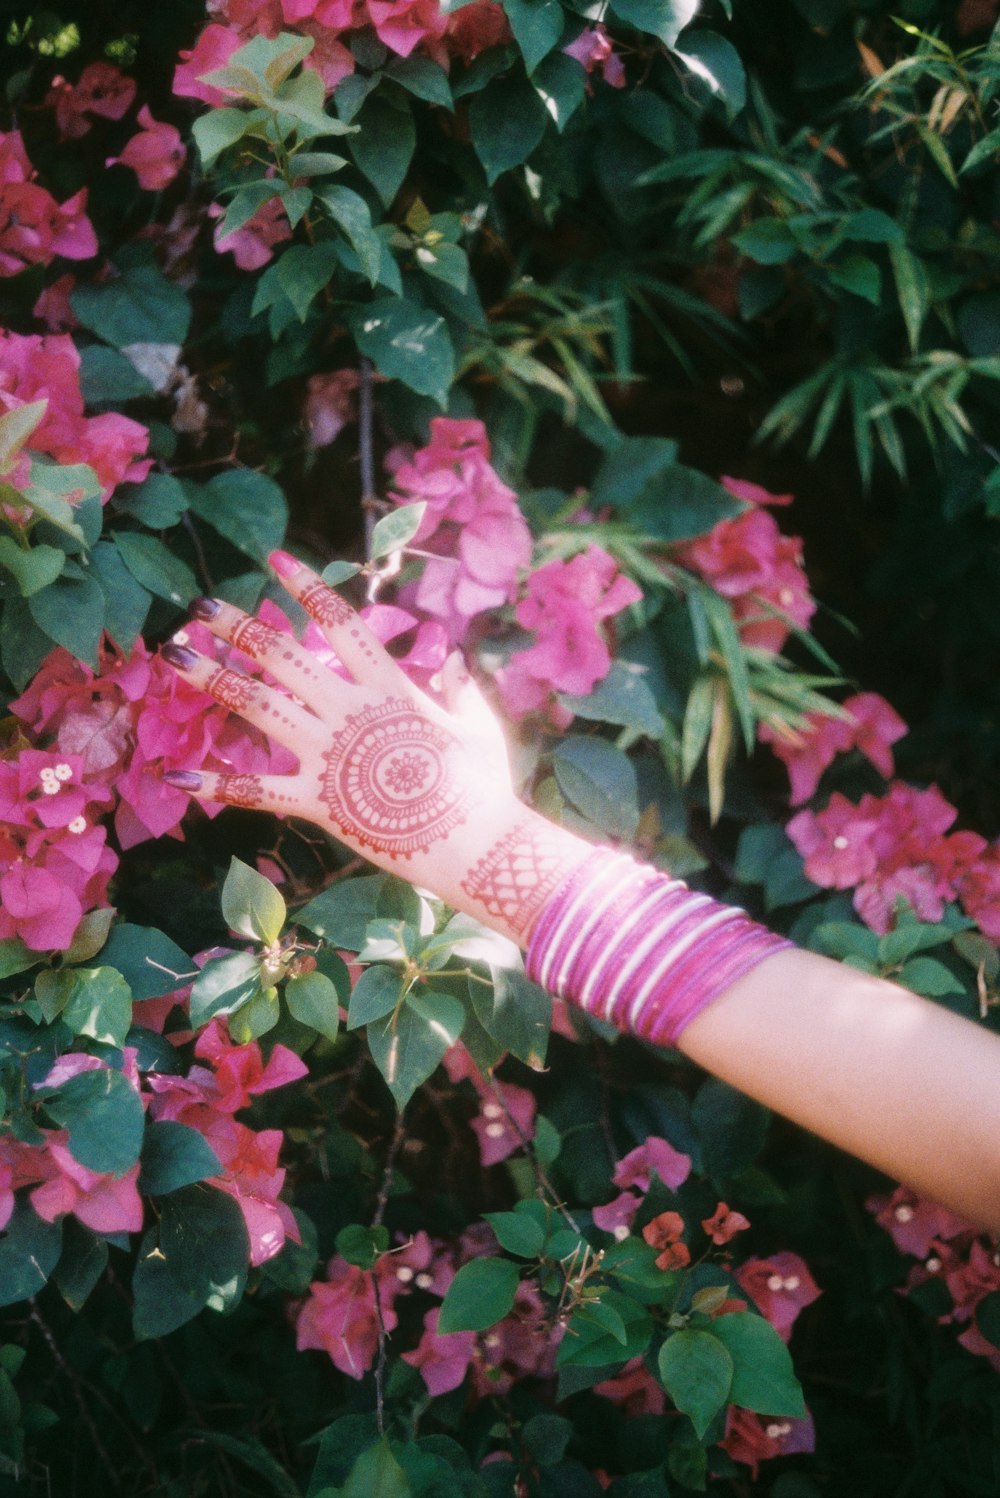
(420,787)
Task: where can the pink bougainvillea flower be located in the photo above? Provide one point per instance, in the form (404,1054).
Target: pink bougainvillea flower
(752,1439)
(754,494)
(156,154)
(442,1357)
(779,1286)
(593,49)
(664,1232)
(912,1222)
(252,244)
(475,28)
(503,1127)
(515,1349)
(836,843)
(102,89)
(103,1202)
(213,49)
(616,1216)
(634,1390)
(330,58)
(339,1317)
(724,1224)
(654,1154)
(240,1072)
(979,891)
(873,726)
(34,228)
(402,25)
(53,306)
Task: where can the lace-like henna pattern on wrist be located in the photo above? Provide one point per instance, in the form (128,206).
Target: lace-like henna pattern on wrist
(232,689)
(326,606)
(519,873)
(388,782)
(255,638)
(241,790)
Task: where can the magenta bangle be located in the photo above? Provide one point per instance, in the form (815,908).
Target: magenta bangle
(639,950)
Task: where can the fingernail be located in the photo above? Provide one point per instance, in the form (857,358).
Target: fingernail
(179,656)
(183,780)
(284,564)
(205,608)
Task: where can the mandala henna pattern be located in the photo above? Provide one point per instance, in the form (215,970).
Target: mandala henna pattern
(388,783)
(232,689)
(326,606)
(255,638)
(241,790)
(518,874)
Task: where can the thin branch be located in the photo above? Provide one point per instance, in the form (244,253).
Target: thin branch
(383,1336)
(366,452)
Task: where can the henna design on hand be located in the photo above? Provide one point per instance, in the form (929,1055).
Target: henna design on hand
(326,606)
(232,689)
(241,790)
(389,782)
(255,638)
(519,873)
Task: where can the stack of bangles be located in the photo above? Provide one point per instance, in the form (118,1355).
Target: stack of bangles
(639,950)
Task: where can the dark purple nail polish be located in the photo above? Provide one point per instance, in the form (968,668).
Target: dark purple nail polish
(184,780)
(205,608)
(179,656)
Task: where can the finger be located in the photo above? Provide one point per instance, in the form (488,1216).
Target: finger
(280,794)
(280,654)
(350,637)
(463,699)
(266,709)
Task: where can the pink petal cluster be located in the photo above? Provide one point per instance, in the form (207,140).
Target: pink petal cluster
(54,860)
(102,89)
(34,228)
(472,523)
(132,719)
(898,846)
(506,1117)
(403,26)
(565,604)
(752,1439)
(950,1251)
(749,561)
(655,1156)
(156,154)
(872,726)
(780,1287)
(47,367)
(206,1099)
(594,49)
(252,244)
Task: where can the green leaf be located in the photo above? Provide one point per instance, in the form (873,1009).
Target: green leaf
(107,376)
(150,963)
(763,1377)
(932,979)
(871,226)
(376,1474)
(663,18)
(384,145)
(393,531)
(259,1014)
(507,121)
(159,1304)
(15,957)
(224,985)
(715,62)
(249,509)
(99,1004)
(362,1245)
(317,163)
(16,426)
(375,994)
(175,1155)
(338,572)
(158,502)
(859,275)
(313,1000)
(769,241)
(29,1251)
(600,781)
(912,288)
(104,1116)
(697,1372)
(561,84)
(33,568)
(517,1233)
(406,342)
(421,77)
(481,1294)
(660,497)
(341,913)
(732,1129)
(516,1013)
(83,1261)
(271,60)
(444,262)
(126,601)
(156,567)
(198,1258)
(537,26)
(301,272)
(218,129)
(589,1343)
(408,1046)
(623,697)
(242,206)
(137,306)
(251,904)
(71,612)
(352,216)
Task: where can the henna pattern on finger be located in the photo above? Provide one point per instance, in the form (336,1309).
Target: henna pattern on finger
(255,638)
(240,790)
(518,874)
(390,781)
(326,606)
(232,689)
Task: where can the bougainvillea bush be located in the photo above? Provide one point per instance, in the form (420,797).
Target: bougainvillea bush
(525,320)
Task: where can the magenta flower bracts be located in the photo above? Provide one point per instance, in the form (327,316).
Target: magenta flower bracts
(639,950)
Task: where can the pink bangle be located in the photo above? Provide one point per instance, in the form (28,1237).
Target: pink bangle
(639,950)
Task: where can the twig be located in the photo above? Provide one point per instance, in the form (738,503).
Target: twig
(366,453)
(383,1336)
(71,1377)
(199,552)
(529,1149)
